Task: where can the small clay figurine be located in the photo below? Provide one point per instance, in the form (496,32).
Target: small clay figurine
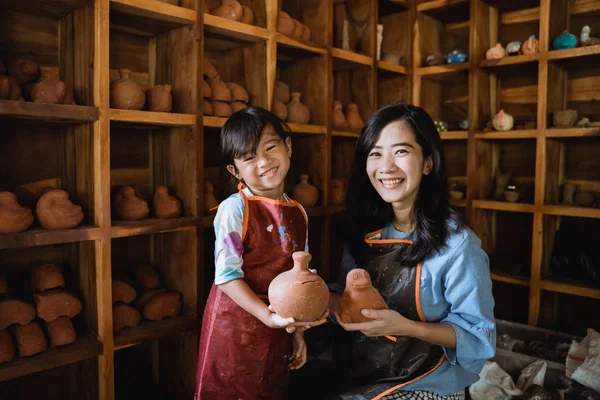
(125,316)
(130,207)
(338,120)
(24,71)
(55,211)
(298,293)
(9,88)
(230,9)
(338,191)
(162,305)
(210,201)
(13,217)
(61,332)
(531,45)
(456,56)
(564,118)
(305,193)
(513,48)
(7,347)
(126,93)
(122,291)
(503,121)
(297,112)
(146,277)
(434,59)
(359,294)
(56,303)
(355,122)
(46,276)
(565,40)
(159,98)
(30,339)
(495,52)
(165,205)
(15,311)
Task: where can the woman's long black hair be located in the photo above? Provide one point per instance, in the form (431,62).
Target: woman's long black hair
(366,211)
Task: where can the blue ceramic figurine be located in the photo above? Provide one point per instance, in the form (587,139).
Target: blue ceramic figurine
(455,57)
(565,40)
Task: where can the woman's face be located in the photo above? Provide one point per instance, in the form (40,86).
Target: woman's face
(395,164)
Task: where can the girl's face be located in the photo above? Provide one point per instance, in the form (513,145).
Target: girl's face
(395,165)
(264,172)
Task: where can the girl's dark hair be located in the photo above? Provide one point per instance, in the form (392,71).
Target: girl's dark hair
(366,211)
(242,131)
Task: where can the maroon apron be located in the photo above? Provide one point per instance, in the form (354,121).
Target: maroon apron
(240,357)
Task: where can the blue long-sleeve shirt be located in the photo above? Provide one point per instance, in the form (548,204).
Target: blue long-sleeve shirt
(456,289)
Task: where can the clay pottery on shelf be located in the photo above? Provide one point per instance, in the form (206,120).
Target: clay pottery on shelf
(297,112)
(206,92)
(122,292)
(54,210)
(230,9)
(495,52)
(456,57)
(359,294)
(24,71)
(306,34)
(125,316)
(298,30)
(56,303)
(30,339)
(13,217)
(46,276)
(298,293)
(125,93)
(61,332)
(282,92)
(565,40)
(143,299)
(355,122)
(207,107)
(305,193)
(9,88)
(237,106)
(220,91)
(129,206)
(7,347)
(162,305)
(585,199)
(208,69)
(210,201)
(511,194)
(146,276)
(221,109)
(280,109)
(530,46)
(165,205)
(15,311)
(503,121)
(585,39)
(569,194)
(564,119)
(513,48)
(238,93)
(50,91)
(338,191)
(159,98)
(338,119)
(285,23)
(434,59)
(247,16)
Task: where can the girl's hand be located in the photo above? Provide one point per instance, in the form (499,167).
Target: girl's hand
(276,321)
(385,322)
(304,325)
(298,358)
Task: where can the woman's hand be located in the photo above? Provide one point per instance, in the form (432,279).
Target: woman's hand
(298,358)
(276,321)
(302,326)
(384,322)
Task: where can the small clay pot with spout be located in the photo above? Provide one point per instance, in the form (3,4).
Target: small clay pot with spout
(285,23)
(24,71)
(305,193)
(238,93)
(210,201)
(298,112)
(355,122)
(298,293)
(358,295)
(230,9)
(129,206)
(55,211)
(338,118)
(220,91)
(531,45)
(159,98)
(9,88)
(281,92)
(338,191)
(13,217)
(125,93)
(165,205)
(51,91)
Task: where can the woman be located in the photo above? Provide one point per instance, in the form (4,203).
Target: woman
(429,267)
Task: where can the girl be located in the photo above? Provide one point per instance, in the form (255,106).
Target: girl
(243,349)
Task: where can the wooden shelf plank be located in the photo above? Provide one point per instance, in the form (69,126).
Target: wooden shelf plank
(296,44)
(458,203)
(511,5)
(53,9)
(307,128)
(151,330)
(147,226)
(514,134)
(442,69)
(572,132)
(388,66)
(585,7)
(53,113)
(521,16)
(207,221)
(454,135)
(506,278)
(576,52)
(510,60)
(149,17)
(42,237)
(151,118)
(82,349)
(503,206)
(234,30)
(569,288)
(355,59)
(571,211)
(446,10)
(213,122)
(345,134)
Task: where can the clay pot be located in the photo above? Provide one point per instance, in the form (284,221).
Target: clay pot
(230,9)
(14,311)
(159,98)
(206,92)
(338,191)
(298,293)
(285,23)
(219,89)
(297,112)
(165,205)
(162,305)
(125,316)
(305,33)
(45,277)
(339,121)
(56,303)
(495,52)
(585,199)
(61,332)
(503,121)
(24,71)
(221,109)
(281,92)
(247,16)
(210,201)
(359,294)
(280,109)
(125,93)
(564,119)
(208,69)
(207,107)
(143,299)
(30,339)
(298,30)
(130,207)
(530,46)
(51,91)
(13,217)
(146,277)
(122,292)
(7,347)
(238,93)
(55,211)
(305,193)
(355,122)
(569,194)
(237,106)
(9,88)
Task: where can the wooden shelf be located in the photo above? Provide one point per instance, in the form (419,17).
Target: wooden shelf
(82,349)
(579,7)
(446,10)
(571,211)
(151,330)
(148,17)
(511,5)
(150,118)
(503,206)
(53,9)
(506,278)
(514,134)
(345,134)
(569,288)
(47,113)
(454,135)
(207,221)
(309,49)
(510,61)
(344,59)
(572,132)
(389,67)
(390,6)
(121,229)
(42,237)
(458,203)
(307,128)
(213,122)
(236,31)
(586,51)
(445,72)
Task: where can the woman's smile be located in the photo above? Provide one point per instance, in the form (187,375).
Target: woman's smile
(391,183)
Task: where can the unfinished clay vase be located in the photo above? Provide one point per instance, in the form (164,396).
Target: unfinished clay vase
(15,311)
(359,294)
(237,106)
(230,9)
(46,276)
(13,217)
(297,112)
(495,52)
(280,109)
(305,193)
(531,45)
(51,91)
(7,347)
(125,93)
(125,316)
(162,305)
(56,303)
(24,71)
(355,122)
(206,92)
(210,201)
(221,109)
(122,291)
(338,118)
(207,107)
(55,211)
(146,276)
(299,293)
(208,69)
(282,92)
(238,93)
(129,206)
(564,119)
(247,16)
(159,98)
(503,121)
(30,339)
(9,88)
(338,191)
(61,332)
(165,205)
(219,89)
(285,23)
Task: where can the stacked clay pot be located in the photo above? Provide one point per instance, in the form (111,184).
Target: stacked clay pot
(288,105)
(219,98)
(292,27)
(351,121)
(127,94)
(129,206)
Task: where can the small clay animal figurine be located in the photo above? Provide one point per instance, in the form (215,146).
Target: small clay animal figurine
(305,193)
(503,121)
(125,316)
(130,207)
(61,332)
(125,93)
(359,294)
(7,347)
(159,98)
(338,191)
(495,52)
(513,48)
(585,39)
(230,9)
(13,217)
(55,211)
(338,119)
(456,56)
(298,293)
(285,23)
(9,88)
(434,59)
(565,40)
(530,46)
(46,276)
(24,71)
(441,126)
(165,205)
(297,112)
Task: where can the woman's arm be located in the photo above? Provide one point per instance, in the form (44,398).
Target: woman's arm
(434,333)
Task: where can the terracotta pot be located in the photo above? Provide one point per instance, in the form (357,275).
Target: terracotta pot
(54,210)
(298,30)
(359,294)
(495,52)
(7,347)
(165,205)
(145,297)
(339,121)
(285,23)
(13,217)
(24,71)
(162,305)
(159,98)
(208,69)
(305,193)
(237,106)
(281,92)
(280,109)
(531,45)
(220,91)
(125,93)
(30,339)
(230,9)
(221,109)
(297,112)
(122,292)
(503,121)
(338,191)
(146,276)
(206,92)
(9,88)
(238,93)
(46,276)
(56,303)
(207,107)
(306,34)
(15,311)
(298,293)
(125,316)
(355,122)
(130,207)
(210,201)
(61,332)
(51,91)
(247,16)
